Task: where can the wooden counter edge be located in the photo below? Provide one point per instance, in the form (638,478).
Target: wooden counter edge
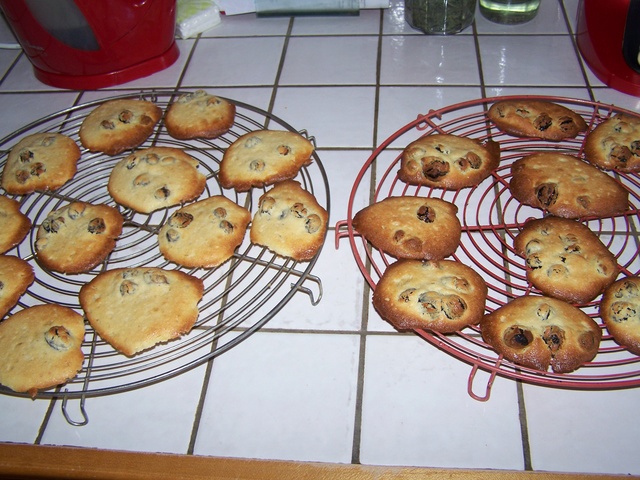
(53,462)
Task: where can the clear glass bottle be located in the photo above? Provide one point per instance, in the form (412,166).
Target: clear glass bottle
(439,17)
(509,11)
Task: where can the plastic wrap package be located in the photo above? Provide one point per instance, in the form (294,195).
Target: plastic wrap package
(196,16)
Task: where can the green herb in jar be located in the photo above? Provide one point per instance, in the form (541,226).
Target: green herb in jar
(440,16)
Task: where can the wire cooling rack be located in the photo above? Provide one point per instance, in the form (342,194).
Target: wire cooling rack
(491,218)
(240,296)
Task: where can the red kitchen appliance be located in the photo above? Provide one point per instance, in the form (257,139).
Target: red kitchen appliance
(90,44)
(608,36)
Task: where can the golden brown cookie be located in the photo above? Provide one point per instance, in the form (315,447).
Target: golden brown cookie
(199,115)
(77,237)
(536,119)
(134,309)
(40,162)
(15,277)
(119,125)
(290,222)
(443,296)
(14,225)
(620,311)
(205,233)
(40,347)
(411,227)
(541,332)
(565,186)
(262,158)
(565,259)
(155,178)
(615,144)
(448,161)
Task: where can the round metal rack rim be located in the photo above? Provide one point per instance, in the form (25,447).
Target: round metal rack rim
(613,367)
(241,296)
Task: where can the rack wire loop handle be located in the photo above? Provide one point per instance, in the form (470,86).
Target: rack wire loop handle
(83,412)
(300,288)
(487,392)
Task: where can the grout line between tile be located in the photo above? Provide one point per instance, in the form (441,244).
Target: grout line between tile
(583,68)
(357,424)
(276,81)
(524,428)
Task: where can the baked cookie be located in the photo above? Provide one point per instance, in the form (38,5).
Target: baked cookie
(536,119)
(15,277)
(565,186)
(77,237)
(448,161)
(14,225)
(290,222)
(565,259)
(155,178)
(205,233)
(199,115)
(411,227)
(119,125)
(262,158)
(443,296)
(40,347)
(620,311)
(541,332)
(615,144)
(134,309)
(40,162)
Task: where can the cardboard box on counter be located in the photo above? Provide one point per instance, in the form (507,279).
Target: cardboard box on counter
(237,7)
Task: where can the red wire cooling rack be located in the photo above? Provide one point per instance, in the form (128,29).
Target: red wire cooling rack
(490,219)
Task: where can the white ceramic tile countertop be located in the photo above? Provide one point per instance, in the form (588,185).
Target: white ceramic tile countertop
(333,382)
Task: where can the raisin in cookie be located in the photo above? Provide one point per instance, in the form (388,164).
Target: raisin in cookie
(411,227)
(290,222)
(199,115)
(15,277)
(77,237)
(14,225)
(448,161)
(615,144)
(205,233)
(40,162)
(262,158)
(118,125)
(566,186)
(620,311)
(565,259)
(134,309)
(443,296)
(536,119)
(40,347)
(541,332)
(155,178)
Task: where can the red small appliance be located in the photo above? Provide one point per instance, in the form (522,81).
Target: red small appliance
(91,44)
(608,37)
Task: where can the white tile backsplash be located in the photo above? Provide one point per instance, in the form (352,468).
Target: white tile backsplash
(583,431)
(428,59)
(330,61)
(282,396)
(513,63)
(233,62)
(416,410)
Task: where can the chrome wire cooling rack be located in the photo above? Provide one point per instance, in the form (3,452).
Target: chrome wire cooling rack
(490,219)
(240,296)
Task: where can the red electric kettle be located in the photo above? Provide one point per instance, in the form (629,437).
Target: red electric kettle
(89,44)
(608,36)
